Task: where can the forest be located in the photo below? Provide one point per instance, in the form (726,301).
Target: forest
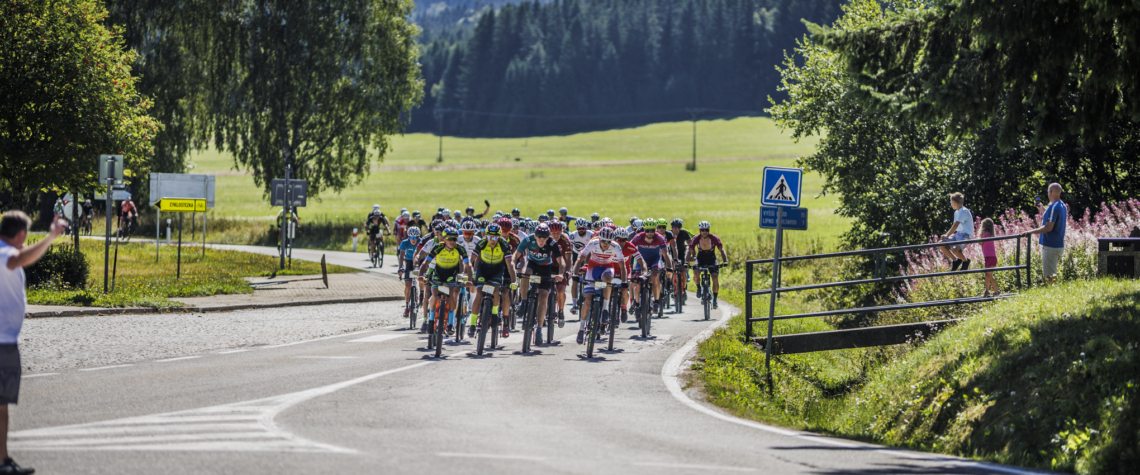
(539,68)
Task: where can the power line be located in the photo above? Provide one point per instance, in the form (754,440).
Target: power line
(688,110)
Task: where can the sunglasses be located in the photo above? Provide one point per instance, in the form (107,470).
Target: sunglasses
(605,241)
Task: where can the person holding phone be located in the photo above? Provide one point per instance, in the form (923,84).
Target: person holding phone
(1052,231)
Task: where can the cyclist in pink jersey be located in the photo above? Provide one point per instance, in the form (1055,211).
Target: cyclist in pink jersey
(703,249)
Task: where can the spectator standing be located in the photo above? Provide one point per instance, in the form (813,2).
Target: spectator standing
(990,253)
(961,230)
(1052,231)
(14,257)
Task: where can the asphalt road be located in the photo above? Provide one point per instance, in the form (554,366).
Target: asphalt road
(375,401)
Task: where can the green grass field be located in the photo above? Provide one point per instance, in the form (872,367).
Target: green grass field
(724,192)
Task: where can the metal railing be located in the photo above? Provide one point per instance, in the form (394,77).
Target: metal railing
(879,276)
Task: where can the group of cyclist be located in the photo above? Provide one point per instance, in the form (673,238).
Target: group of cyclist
(127,213)
(508,251)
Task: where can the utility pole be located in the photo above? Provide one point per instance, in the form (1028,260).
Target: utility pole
(693,117)
(439,119)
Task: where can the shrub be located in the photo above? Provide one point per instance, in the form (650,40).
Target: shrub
(61,267)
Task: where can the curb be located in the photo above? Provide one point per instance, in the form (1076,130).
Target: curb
(220,308)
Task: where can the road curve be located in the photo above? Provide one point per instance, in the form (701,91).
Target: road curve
(375,401)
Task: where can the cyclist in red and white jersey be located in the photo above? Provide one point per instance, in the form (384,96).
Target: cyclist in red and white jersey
(603,259)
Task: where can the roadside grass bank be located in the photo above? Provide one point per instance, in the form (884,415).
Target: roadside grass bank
(1047,380)
(142,282)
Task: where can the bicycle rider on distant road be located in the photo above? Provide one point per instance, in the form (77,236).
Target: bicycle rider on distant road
(703,251)
(373,222)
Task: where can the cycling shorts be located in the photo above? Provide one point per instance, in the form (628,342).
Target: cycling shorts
(373,231)
(594,275)
(491,274)
(406,271)
(546,272)
(706,260)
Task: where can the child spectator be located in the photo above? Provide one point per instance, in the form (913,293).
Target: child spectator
(961,230)
(990,254)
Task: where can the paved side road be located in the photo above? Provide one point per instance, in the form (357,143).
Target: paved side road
(374,401)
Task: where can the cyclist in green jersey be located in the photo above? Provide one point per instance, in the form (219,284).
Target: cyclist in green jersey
(493,266)
(446,261)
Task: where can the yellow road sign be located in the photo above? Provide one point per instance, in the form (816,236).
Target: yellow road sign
(179,205)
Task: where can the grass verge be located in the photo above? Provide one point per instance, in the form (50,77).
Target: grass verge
(141,282)
(1048,380)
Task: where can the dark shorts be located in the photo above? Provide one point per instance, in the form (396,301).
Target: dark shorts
(491,274)
(706,260)
(9,374)
(546,272)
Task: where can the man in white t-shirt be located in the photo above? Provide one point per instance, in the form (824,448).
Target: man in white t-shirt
(14,257)
(961,230)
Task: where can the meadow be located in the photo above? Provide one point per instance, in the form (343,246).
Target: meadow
(725,188)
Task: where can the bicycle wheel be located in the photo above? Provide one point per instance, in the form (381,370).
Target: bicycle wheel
(615,316)
(528,321)
(497,321)
(679,289)
(381,252)
(440,325)
(592,326)
(484,324)
(551,317)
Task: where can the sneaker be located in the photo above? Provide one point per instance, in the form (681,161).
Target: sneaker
(581,336)
(954,265)
(423,327)
(624,315)
(574,309)
(450,329)
(10,466)
(471,332)
(986,295)
(506,332)
(561,319)
(966,265)
(538,336)
(605,316)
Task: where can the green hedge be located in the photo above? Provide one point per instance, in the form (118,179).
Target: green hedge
(61,267)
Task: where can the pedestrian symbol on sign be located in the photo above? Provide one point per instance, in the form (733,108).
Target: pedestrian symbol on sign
(781,186)
(780,191)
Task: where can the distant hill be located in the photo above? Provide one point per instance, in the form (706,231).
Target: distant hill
(497,68)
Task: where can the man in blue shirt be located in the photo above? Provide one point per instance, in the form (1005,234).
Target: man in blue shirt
(1052,231)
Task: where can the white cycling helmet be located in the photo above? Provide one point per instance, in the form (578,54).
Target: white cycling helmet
(704,225)
(619,233)
(413,232)
(606,234)
(376,207)
(469,226)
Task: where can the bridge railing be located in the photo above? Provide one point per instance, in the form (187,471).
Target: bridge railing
(879,276)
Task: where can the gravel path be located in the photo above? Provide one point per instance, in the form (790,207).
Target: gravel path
(52,344)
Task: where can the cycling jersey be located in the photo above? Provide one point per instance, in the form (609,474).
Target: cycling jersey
(88,210)
(706,257)
(374,227)
(447,259)
(579,240)
(492,254)
(631,253)
(612,256)
(683,238)
(468,246)
(128,208)
(564,245)
(280,214)
(408,248)
(650,248)
(514,242)
(539,255)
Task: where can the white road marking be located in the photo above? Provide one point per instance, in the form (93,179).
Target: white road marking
(106,367)
(318,339)
(227,352)
(492,456)
(327,357)
(671,371)
(245,426)
(377,338)
(718,468)
(177,359)
(38,375)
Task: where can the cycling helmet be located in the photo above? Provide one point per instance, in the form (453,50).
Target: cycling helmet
(416,213)
(453,223)
(619,233)
(649,223)
(405,215)
(446,212)
(638,224)
(677,222)
(607,220)
(471,209)
(555,225)
(375,207)
(595,216)
(581,223)
(441,208)
(403,210)
(606,234)
(450,233)
(563,210)
(597,225)
(469,227)
(704,225)
(515,222)
(438,225)
(484,223)
(543,218)
(494,230)
(542,231)
(413,232)
(550,212)
(662,224)
(515,211)
(631,220)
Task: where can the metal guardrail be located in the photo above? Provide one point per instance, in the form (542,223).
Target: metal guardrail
(879,276)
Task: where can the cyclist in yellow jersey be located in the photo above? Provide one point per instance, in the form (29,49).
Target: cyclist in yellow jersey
(492,262)
(446,261)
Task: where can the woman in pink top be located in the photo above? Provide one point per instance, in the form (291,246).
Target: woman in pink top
(990,255)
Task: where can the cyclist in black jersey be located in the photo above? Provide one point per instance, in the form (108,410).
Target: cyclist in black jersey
(372,223)
(681,238)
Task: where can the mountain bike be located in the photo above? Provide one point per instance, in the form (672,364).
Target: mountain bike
(529,309)
(442,311)
(414,304)
(704,287)
(85,225)
(666,290)
(678,285)
(551,315)
(488,320)
(461,310)
(643,310)
(377,250)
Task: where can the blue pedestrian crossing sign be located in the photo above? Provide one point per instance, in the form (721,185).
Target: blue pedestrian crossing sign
(782,186)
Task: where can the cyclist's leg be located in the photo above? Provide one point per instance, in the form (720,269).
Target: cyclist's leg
(715,284)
